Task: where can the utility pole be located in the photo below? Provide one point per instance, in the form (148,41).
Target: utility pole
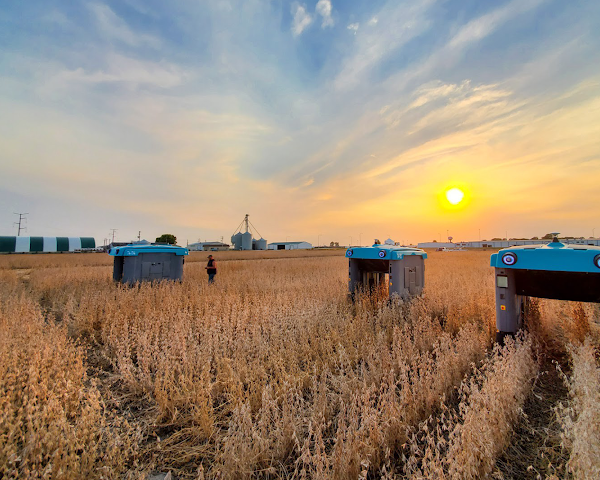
(139,235)
(21,220)
(113,230)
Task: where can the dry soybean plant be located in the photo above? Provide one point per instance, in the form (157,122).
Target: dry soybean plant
(52,419)
(269,373)
(463,442)
(580,418)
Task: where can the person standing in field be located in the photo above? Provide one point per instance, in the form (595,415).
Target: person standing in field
(211,269)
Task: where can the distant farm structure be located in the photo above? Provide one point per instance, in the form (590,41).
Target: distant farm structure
(208,246)
(244,240)
(290,246)
(46,244)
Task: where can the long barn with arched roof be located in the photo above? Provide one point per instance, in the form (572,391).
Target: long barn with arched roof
(45,244)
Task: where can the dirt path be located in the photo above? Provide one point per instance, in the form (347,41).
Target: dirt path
(535,451)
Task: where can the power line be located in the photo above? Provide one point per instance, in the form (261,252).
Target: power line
(21,219)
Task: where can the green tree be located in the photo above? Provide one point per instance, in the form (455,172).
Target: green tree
(167,238)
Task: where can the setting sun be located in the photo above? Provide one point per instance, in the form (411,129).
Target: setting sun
(455,196)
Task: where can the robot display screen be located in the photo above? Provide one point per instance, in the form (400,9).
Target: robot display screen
(373,265)
(574,286)
(502,281)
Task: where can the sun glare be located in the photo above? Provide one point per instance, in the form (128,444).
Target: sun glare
(455,195)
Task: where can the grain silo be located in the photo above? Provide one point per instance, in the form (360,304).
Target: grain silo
(246,241)
(261,244)
(242,240)
(236,241)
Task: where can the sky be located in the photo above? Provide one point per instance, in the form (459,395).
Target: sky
(328,120)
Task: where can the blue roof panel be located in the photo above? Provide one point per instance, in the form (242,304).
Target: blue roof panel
(135,250)
(555,256)
(384,252)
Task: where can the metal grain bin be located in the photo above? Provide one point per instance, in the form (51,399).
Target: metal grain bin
(261,244)
(246,241)
(236,241)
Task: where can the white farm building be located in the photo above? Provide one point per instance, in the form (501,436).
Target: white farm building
(208,246)
(289,246)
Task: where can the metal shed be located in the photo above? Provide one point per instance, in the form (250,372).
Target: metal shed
(555,270)
(144,263)
(367,267)
(290,246)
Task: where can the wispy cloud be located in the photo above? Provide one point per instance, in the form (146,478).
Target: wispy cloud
(56,17)
(115,28)
(119,69)
(302,18)
(484,25)
(323,8)
(472,33)
(398,25)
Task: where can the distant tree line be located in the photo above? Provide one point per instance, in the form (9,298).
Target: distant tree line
(167,238)
(548,236)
